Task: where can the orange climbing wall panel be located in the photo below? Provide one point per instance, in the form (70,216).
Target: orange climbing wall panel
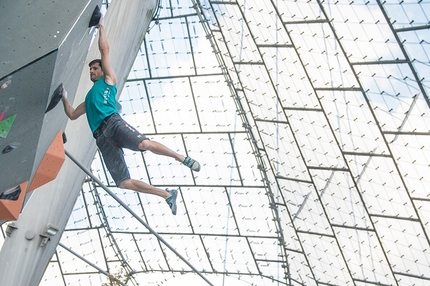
(10,209)
(50,164)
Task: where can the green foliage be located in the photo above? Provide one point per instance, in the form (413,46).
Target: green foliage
(117,279)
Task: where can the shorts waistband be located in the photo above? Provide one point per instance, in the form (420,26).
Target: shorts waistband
(99,130)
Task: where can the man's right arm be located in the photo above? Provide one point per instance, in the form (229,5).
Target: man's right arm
(72,113)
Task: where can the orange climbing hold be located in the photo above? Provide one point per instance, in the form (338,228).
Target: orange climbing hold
(50,164)
(11,206)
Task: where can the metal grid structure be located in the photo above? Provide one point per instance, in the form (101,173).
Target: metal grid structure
(311,121)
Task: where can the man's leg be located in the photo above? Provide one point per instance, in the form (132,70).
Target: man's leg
(128,137)
(115,162)
(114,159)
(143,187)
(160,149)
(139,186)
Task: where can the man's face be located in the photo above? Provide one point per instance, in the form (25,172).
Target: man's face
(96,72)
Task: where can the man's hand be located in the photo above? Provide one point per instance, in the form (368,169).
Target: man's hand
(101,21)
(63,93)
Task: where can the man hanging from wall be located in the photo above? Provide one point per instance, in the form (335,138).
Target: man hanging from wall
(112,133)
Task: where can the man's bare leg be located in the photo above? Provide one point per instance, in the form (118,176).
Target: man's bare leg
(139,186)
(160,149)
(143,187)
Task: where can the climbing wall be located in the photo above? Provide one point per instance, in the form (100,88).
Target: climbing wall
(47,44)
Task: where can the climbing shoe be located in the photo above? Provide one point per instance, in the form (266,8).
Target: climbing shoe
(171,200)
(192,164)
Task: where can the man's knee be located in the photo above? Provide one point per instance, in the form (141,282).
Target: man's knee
(125,184)
(144,145)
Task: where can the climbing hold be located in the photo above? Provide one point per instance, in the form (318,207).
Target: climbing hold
(6,84)
(5,125)
(11,195)
(8,148)
(95,18)
(55,98)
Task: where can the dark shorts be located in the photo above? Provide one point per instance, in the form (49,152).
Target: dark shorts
(112,136)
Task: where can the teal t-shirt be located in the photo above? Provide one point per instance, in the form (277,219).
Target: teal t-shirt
(100,102)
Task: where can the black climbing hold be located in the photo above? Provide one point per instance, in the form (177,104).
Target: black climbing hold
(95,18)
(11,195)
(55,98)
(8,149)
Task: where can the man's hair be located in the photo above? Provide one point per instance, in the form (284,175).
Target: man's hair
(99,61)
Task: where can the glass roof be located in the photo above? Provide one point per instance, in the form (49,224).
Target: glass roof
(311,122)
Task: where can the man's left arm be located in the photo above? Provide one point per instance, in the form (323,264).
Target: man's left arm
(72,113)
(109,74)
